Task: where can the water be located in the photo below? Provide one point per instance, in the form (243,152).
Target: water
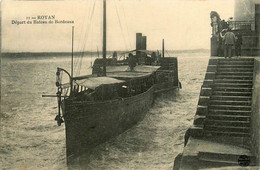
(31,139)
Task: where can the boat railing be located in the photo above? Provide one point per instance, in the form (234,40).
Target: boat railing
(81,77)
(113,91)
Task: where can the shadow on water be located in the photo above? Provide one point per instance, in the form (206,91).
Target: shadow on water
(134,141)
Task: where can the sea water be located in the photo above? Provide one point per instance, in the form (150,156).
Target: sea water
(31,139)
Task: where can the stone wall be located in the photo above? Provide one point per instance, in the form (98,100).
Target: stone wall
(244,10)
(255,118)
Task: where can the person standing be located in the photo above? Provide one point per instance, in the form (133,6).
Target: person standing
(229,40)
(115,55)
(131,61)
(238,44)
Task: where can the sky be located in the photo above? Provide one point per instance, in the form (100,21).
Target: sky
(183,24)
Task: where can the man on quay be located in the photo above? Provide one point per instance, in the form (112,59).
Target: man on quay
(229,40)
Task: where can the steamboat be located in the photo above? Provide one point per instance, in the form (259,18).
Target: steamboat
(116,96)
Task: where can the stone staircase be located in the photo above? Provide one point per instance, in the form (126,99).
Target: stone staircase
(221,130)
(229,106)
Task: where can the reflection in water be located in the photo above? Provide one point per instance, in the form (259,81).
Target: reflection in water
(30,138)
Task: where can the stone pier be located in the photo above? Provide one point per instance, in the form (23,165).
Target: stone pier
(225,131)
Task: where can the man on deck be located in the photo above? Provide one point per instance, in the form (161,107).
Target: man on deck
(131,61)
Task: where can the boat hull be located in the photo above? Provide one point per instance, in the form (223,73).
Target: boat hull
(89,124)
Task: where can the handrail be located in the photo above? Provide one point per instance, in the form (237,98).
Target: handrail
(58,73)
(61,69)
(246,25)
(81,77)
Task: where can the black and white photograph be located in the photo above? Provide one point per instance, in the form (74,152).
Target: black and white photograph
(130,84)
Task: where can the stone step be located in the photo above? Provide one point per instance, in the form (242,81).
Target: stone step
(232,81)
(228,117)
(242,85)
(236,77)
(230,107)
(211,159)
(230,102)
(208,163)
(234,62)
(235,69)
(229,112)
(231,93)
(226,123)
(235,73)
(227,129)
(236,59)
(229,134)
(232,98)
(218,157)
(231,89)
(235,66)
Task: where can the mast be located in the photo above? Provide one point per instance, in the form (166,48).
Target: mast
(104,37)
(71,75)
(163,48)
(72,51)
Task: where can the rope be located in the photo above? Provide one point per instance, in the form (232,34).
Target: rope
(167,53)
(80,41)
(91,28)
(127,30)
(77,63)
(91,47)
(85,39)
(120,25)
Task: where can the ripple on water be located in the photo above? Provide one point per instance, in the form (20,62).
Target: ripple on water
(31,139)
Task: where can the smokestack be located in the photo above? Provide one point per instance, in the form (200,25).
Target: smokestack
(138,41)
(138,46)
(143,42)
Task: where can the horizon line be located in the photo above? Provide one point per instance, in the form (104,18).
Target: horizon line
(17,52)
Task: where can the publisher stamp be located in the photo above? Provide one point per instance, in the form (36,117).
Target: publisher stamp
(243,160)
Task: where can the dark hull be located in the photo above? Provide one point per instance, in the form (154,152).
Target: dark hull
(89,124)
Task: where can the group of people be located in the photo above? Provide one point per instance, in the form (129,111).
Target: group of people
(143,58)
(229,44)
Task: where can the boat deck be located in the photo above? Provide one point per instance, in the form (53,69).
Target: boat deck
(115,74)
(124,72)
(94,82)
